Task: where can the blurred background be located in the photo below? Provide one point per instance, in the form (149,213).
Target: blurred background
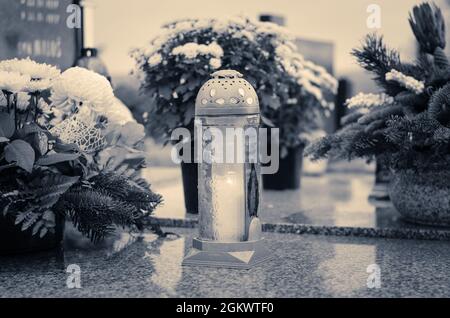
(337,25)
(327,30)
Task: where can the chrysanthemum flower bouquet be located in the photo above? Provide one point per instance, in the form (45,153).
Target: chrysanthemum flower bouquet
(407,126)
(292,91)
(66,154)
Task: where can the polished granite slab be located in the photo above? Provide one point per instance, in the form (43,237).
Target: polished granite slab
(301,266)
(335,203)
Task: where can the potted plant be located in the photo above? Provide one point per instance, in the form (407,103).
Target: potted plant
(181,58)
(407,125)
(63,156)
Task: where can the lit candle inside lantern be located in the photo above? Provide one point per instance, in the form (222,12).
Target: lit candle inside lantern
(228,202)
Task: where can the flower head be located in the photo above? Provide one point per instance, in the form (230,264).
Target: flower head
(13,82)
(155,59)
(118,113)
(191,50)
(215,63)
(37,71)
(78,86)
(41,75)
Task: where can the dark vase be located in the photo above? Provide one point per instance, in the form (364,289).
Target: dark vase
(189,172)
(15,241)
(289,173)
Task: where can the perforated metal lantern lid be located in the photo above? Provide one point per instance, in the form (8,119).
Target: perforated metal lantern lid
(226,93)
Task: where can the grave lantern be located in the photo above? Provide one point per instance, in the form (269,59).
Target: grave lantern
(227,120)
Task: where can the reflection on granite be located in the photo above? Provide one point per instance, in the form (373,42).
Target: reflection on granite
(334,204)
(333,199)
(301,266)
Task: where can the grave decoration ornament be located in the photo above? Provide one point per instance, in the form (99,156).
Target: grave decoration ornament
(62,156)
(227,120)
(407,125)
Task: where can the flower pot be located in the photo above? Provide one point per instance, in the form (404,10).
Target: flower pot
(289,172)
(189,172)
(15,241)
(422,197)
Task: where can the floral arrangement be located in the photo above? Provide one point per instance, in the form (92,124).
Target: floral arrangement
(65,152)
(406,125)
(292,90)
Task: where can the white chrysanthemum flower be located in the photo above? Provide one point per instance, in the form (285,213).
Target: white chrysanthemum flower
(13,82)
(23,101)
(191,50)
(81,86)
(36,71)
(284,51)
(155,59)
(215,63)
(314,78)
(215,50)
(322,77)
(309,88)
(407,82)
(369,100)
(119,114)
(41,75)
(38,85)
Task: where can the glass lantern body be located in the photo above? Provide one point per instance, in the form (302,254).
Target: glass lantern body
(229,182)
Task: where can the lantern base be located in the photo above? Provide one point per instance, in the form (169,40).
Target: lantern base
(239,255)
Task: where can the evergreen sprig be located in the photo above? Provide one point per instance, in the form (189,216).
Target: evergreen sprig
(414,131)
(108,201)
(428,26)
(439,106)
(376,57)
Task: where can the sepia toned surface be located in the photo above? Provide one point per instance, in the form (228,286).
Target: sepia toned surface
(325,239)
(335,203)
(301,266)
